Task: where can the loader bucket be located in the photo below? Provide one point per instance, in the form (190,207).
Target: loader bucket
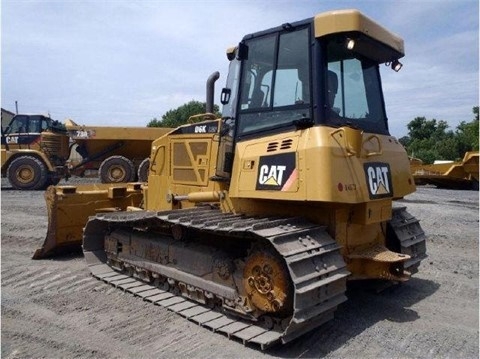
(70,206)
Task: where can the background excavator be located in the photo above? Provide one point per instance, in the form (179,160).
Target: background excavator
(252,224)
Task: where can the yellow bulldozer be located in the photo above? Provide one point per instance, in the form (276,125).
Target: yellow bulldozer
(252,223)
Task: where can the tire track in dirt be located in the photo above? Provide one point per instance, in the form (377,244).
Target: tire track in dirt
(130,325)
(11,275)
(24,245)
(63,337)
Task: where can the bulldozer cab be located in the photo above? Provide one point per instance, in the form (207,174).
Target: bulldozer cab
(315,72)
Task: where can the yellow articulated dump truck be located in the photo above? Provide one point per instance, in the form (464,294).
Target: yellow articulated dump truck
(119,154)
(448,174)
(34,151)
(251,224)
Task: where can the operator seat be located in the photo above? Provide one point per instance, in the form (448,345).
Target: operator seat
(332,89)
(332,84)
(257,99)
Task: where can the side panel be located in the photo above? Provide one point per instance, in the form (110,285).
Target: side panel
(267,165)
(17,141)
(5,155)
(190,160)
(331,165)
(182,163)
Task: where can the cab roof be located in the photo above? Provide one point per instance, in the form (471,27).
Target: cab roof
(353,21)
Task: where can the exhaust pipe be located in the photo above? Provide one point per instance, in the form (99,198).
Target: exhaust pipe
(211,91)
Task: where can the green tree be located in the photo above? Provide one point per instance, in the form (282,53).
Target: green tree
(431,140)
(421,128)
(467,134)
(405,140)
(180,115)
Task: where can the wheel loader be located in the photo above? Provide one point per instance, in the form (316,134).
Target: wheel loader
(251,224)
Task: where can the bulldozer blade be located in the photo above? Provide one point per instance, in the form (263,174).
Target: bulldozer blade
(70,206)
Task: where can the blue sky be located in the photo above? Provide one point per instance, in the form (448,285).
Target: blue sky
(122,63)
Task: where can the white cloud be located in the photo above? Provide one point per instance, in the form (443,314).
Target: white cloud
(121,62)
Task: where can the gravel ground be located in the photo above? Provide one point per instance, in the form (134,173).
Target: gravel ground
(54,309)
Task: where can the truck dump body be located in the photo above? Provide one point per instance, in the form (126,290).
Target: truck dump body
(457,175)
(97,144)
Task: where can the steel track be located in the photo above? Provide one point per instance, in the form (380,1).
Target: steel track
(409,238)
(313,259)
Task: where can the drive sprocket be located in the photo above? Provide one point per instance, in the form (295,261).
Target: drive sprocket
(267,282)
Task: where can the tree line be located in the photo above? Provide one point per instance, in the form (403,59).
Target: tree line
(431,140)
(179,116)
(428,140)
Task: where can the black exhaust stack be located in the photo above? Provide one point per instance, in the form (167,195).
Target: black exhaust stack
(211,91)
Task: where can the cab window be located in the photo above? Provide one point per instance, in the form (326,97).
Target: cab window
(18,124)
(353,90)
(275,88)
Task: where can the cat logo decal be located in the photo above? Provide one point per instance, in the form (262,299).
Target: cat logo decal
(277,172)
(379,179)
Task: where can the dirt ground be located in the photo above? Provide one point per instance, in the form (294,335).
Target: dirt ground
(54,309)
